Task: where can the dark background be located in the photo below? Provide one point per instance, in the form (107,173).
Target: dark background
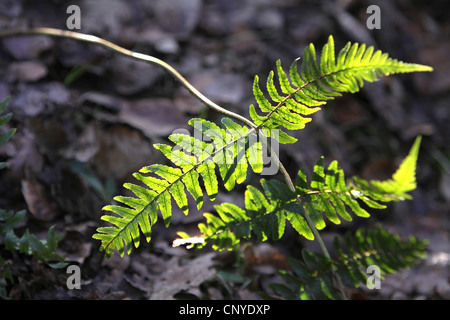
(87,119)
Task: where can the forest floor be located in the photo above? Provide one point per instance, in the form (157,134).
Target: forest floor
(87,118)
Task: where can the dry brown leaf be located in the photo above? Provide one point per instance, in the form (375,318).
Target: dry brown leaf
(122,151)
(177,17)
(267,255)
(183,277)
(131,76)
(30,47)
(27,71)
(37,200)
(154,117)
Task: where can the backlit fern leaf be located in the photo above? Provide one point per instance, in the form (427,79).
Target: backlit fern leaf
(264,215)
(319,81)
(329,195)
(311,278)
(230,150)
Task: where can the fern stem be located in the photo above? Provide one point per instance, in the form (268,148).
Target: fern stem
(325,252)
(306,216)
(139,56)
(274,155)
(309,221)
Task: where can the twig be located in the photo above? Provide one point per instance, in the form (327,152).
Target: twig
(139,56)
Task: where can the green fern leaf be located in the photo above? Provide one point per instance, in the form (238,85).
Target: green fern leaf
(404,179)
(311,278)
(264,215)
(231,149)
(6,135)
(334,195)
(329,195)
(192,158)
(320,81)
(43,250)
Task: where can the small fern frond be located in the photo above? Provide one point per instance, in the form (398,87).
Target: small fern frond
(335,196)
(43,250)
(318,82)
(329,195)
(231,150)
(264,215)
(311,278)
(403,180)
(6,135)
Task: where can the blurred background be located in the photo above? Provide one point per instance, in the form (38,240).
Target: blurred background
(87,119)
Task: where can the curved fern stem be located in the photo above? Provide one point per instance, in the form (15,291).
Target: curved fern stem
(139,56)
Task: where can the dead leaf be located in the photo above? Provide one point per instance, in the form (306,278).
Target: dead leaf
(27,71)
(117,262)
(132,76)
(183,276)
(10,8)
(154,117)
(121,151)
(85,147)
(95,100)
(49,133)
(24,156)
(106,17)
(29,47)
(265,257)
(34,98)
(222,88)
(38,202)
(178,17)
(29,101)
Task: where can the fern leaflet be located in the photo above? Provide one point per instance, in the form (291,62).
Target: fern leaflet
(311,278)
(193,158)
(329,194)
(6,135)
(318,82)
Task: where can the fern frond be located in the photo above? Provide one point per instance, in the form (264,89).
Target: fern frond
(403,180)
(329,195)
(43,250)
(318,82)
(6,135)
(337,197)
(264,215)
(231,150)
(311,278)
